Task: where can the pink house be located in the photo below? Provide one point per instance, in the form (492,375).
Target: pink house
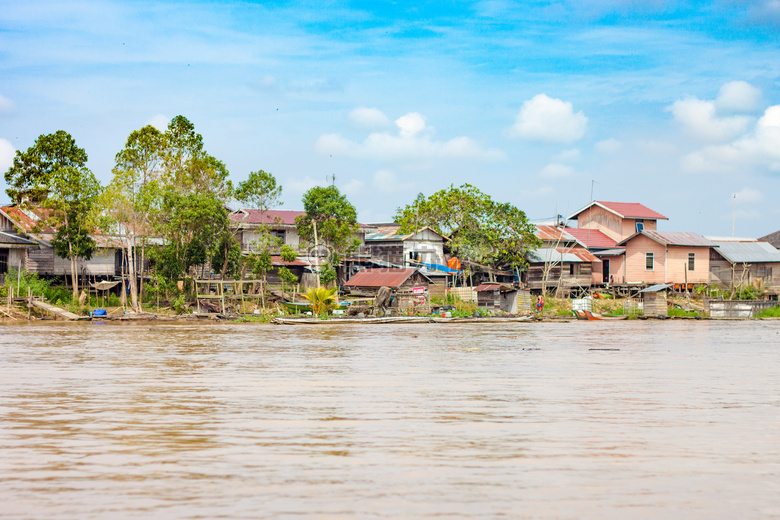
(617,220)
(666,257)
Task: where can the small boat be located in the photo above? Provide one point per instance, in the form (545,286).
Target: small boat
(592,316)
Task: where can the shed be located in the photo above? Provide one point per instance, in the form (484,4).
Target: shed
(408,285)
(503,297)
(654,300)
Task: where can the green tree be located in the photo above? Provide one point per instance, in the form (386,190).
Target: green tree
(29,178)
(128,203)
(480,229)
(330,219)
(259,191)
(52,174)
(187,167)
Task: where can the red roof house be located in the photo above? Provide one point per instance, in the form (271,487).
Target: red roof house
(618,220)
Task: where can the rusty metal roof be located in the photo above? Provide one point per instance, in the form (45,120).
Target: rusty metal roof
(381,277)
(553,234)
(625,210)
(673,238)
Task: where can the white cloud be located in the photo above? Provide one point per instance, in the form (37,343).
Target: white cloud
(412,142)
(726,117)
(738,97)
(7,154)
(572,155)
(556,171)
(760,148)
(411,124)
(6,105)
(609,146)
(700,120)
(538,193)
(387,182)
(749,196)
(353,187)
(160,122)
(301,186)
(543,118)
(369,118)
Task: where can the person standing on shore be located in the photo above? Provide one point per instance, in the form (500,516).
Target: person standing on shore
(539,304)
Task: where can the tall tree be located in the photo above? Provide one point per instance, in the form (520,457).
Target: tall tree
(330,219)
(129,200)
(480,229)
(259,191)
(52,175)
(30,176)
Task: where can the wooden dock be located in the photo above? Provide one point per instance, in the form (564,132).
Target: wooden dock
(62,313)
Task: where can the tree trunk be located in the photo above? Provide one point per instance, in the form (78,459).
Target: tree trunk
(131,277)
(74,273)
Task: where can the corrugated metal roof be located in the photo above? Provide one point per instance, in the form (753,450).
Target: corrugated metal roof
(655,288)
(494,286)
(625,210)
(592,238)
(672,238)
(618,251)
(16,240)
(568,255)
(277,261)
(772,238)
(390,232)
(748,252)
(271,216)
(553,234)
(381,277)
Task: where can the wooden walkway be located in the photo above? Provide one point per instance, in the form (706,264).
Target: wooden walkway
(62,313)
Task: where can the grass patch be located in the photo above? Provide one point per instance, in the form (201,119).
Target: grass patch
(774,312)
(682,313)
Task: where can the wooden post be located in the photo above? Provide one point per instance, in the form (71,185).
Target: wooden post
(197,297)
(222,294)
(29,302)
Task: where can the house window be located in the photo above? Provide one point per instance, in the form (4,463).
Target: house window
(279,235)
(648,261)
(640,225)
(571,269)
(691,261)
(3,261)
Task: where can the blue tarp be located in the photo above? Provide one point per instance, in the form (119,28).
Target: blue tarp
(439,267)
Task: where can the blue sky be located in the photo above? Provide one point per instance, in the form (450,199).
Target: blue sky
(675,106)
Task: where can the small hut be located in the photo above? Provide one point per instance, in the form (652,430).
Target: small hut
(654,300)
(408,286)
(503,297)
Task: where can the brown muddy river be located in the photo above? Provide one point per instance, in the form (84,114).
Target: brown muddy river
(390,421)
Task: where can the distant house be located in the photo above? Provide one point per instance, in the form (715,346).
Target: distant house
(772,238)
(617,220)
(407,284)
(564,258)
(281,224)
(494,296)
(604,247)
(39,257)
(654,257)
(423,246)
(743,261)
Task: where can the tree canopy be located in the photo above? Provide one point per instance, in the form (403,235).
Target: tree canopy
(480,229)
(333,217)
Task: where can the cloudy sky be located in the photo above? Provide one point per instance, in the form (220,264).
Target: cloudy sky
(672,104)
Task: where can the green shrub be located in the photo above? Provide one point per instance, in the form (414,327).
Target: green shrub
(774,312)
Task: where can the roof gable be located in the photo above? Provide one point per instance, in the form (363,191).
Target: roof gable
(592,238)
(381,277)
(624,210)
(671,238)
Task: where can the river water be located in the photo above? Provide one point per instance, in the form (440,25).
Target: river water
(519,420)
